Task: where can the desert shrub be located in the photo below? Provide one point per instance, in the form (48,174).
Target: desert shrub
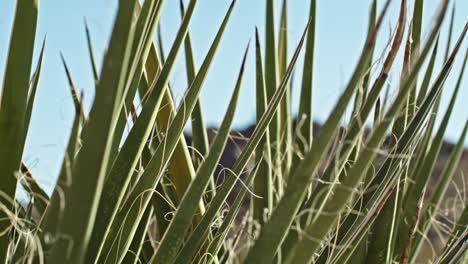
(347,194)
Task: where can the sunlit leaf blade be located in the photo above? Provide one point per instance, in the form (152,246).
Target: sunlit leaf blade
(32,93)
(13,107)
(416,32)
(90,51)
(271,78)
(144,31)
(82,198)
(200,141)
(285,122)
(275,230)
(199,134)
(174,236)
(303,137)
(263,183)
(125,223)
(304,123)
(200,232)
(73,91)
(283,40)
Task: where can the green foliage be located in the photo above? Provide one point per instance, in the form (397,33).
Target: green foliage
(351,194)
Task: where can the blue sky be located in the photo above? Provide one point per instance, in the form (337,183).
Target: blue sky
(341,28)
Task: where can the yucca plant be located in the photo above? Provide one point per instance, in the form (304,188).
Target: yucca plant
(350,194)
